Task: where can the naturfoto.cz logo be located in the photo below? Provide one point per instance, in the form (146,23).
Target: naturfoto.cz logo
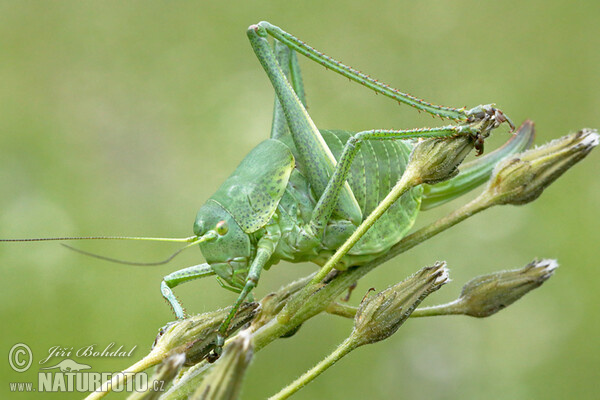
(68,375)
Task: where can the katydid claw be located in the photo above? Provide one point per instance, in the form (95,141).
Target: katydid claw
(483,119)
(489,117)
(162,331)
(478,144)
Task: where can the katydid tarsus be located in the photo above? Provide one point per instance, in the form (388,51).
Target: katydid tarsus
(300,195)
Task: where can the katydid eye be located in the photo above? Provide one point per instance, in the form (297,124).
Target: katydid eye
(222,228)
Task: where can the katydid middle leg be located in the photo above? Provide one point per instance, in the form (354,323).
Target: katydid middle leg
(326,203)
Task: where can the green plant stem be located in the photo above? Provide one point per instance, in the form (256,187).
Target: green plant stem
(344,348)
(437,310)
(479,204)
(321,299)
(342,310)
(346,311)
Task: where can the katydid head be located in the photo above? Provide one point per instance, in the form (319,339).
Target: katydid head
(225,239)
(220,237)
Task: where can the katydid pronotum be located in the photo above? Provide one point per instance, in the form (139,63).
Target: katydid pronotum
(303,194)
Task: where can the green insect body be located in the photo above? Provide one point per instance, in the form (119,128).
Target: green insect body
(300,195)
(269,189)
(335,198)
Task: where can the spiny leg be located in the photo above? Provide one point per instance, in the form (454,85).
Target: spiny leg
(315,157)
(460,114)
(179,277)
(288,62)
(325,206)
(357,76)
(251,282)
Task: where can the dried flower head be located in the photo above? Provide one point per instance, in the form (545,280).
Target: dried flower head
(379,316)
(488,294)
(522,178)
(195,336)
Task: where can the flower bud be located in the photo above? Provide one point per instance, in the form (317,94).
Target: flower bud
(522,178)
(437,159)
(488,294)
(477,172)
(195,336)
(224,381)
(378,317)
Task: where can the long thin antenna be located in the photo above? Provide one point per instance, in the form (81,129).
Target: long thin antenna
(61,239)
(192,240)
(126,262)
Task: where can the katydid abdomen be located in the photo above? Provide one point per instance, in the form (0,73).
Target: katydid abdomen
(376,169)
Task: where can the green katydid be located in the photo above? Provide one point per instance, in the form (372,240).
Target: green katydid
(300,195)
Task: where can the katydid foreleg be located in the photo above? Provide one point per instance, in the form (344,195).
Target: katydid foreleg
(179,277)
(266,247)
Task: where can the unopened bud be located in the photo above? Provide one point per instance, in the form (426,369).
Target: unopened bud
(224,381)
(488,294)
(378,317)
(523,177)
(195,336)
(437,159)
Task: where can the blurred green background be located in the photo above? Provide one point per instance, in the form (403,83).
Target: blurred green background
(123,117)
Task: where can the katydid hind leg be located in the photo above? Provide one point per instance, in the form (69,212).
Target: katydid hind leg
(314,156)
(296,77)
(481,113)
(359,77)
(279,127)
(288,62)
